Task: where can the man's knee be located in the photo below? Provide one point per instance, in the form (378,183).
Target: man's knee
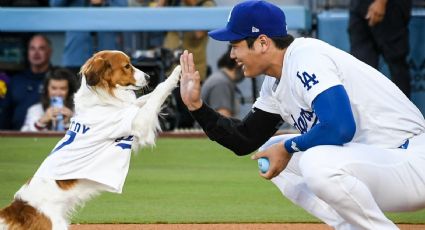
(320,175)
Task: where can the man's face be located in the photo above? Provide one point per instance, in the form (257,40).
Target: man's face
(39,52)
(248,58)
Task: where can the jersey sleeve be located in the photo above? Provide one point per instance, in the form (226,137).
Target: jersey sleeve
(265,101)
(34,113)
(313,73)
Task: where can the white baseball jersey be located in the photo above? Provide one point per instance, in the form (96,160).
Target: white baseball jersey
(384,116)
(34,113)
(96,147)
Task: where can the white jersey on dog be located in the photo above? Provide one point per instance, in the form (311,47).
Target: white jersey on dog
(384,116)
(94,148)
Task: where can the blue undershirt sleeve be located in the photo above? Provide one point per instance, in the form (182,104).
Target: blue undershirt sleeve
(336,122)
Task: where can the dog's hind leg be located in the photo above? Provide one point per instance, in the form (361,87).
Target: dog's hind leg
(3,225)
(146,123)
(19,215)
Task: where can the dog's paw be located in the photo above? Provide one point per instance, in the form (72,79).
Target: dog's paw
(175,75)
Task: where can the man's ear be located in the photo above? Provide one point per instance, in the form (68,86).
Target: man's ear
(264,41)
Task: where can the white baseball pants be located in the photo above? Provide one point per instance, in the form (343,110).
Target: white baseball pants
(349,187)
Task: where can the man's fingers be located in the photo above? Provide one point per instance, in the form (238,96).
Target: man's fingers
(367,16)
(373,21)
(258,155)
(269,174)
(191,64)
(197,76)
(183,61)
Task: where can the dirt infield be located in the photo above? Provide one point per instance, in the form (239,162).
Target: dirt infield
(218,227)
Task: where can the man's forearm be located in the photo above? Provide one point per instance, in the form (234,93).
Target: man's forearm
(242,137)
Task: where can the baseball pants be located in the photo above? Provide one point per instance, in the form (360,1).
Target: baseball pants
(349,187)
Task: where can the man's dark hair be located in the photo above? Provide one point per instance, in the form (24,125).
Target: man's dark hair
(280,42)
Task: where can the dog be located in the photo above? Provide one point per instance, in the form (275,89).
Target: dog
(94,155)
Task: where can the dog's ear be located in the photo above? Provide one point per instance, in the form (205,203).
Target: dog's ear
(94,69)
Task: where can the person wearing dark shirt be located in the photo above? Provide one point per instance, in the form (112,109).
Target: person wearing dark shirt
(25,88)
(219,90)
(381,27)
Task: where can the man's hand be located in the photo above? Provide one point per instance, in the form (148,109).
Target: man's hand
(376,12)
(278,158)
(190,82)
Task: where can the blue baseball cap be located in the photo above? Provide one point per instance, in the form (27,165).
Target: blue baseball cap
(250,19)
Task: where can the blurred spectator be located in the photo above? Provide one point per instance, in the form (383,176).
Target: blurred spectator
(80,45)
(13,45)
(4,80)
(381,27)
(24,3)
(25,88)
(219,90)
(145,40)
(194,41)
(61,83)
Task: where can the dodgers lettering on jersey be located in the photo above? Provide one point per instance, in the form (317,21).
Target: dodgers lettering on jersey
(305,120)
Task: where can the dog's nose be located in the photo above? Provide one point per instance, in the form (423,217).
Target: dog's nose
(147,77)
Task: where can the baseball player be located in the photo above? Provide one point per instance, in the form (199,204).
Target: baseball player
(361,147)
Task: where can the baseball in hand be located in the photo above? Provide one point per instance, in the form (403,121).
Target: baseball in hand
(263,164)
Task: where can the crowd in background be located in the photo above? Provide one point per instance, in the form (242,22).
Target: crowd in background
(27,86)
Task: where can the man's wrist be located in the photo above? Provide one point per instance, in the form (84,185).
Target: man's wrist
(195,106)
(290,146)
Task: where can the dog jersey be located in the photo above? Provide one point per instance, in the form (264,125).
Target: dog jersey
(384,116)
(97,147)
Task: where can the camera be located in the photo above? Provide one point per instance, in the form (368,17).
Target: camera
(157,63)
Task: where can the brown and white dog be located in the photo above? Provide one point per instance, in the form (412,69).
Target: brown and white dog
(61,184)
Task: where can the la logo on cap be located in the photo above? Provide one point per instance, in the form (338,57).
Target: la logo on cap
(255,29)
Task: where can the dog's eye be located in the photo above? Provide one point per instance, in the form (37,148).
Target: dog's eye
(127,66)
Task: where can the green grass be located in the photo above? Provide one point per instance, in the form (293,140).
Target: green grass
(178,181)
